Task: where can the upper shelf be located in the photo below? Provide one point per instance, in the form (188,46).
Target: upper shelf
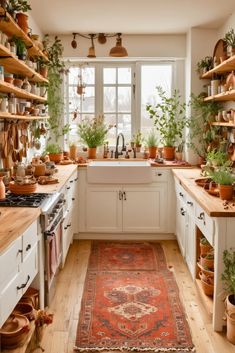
(18,92)
(226,66)
(226,96)
(10,28)
(223,123)
(9,116)
(15,66)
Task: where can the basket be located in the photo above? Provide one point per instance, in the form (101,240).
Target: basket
(22,189)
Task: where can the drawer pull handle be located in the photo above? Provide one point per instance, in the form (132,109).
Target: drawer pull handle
(71,181)
(181,194)
(73,198)
(120,195)
(124,195)
(190,203)
(24,284)
(65,227)
(201,216)
(76,179)
(28,247)
(68,188)
(20,251)
(159,174)
(182,211)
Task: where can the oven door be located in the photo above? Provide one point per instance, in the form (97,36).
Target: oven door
(53,256)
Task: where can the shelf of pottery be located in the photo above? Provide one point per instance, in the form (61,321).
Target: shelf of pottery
(22,87)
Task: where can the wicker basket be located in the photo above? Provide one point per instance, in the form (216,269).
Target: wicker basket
(22,189)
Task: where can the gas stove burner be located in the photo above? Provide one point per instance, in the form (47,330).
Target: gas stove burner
(23,200)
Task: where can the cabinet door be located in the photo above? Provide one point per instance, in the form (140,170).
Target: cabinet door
(103,209)
(180,224)
(144,208)
(67,235)
(190,244)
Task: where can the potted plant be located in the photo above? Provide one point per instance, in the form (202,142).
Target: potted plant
(152,142)
(229,39)
(207,260)
(137,140)
(21,50)
(228,277)
(170,120)
(20,6)
(205,65)
(225,179)
(93,134)
(179,151)
(218,158)
(55,152)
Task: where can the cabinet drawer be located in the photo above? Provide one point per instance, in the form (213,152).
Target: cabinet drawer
(29,239)
(29,269)
(9,262)
(180,192)
(160,175)
(190,204)
(205,224)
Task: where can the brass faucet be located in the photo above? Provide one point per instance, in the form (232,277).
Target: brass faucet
(123,145)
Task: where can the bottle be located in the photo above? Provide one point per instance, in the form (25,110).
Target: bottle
(2,189)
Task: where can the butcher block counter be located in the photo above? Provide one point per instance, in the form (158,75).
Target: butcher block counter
(14,221)
(212,205)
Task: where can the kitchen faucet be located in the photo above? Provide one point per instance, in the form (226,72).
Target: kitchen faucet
(117,143)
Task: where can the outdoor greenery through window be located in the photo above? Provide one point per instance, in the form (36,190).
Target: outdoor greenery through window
(119,91)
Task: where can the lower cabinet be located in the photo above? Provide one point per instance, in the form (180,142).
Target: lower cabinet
(180,228)
(67,236)
(18,268)
(125,208)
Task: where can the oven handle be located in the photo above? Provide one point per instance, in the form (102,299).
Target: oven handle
(52,231)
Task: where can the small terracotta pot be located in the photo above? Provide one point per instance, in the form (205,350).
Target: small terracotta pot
(230,303)
(169,152)
(205,249)
(91,153)
(207,263)
(226,192)
(230,327)
(152,152)
(22,20)
(207,287)
(56,157)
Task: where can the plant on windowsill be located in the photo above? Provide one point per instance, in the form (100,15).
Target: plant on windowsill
(137,140)
(93,134)
(169,119)
(152,141)
(55,152)
(228,277)
(225,179)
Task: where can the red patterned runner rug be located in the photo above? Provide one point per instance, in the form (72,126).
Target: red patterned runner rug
(131,302)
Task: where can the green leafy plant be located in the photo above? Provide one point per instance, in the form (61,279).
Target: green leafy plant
(218,158)
(93,132)
(169,117)
(18,6)
(53,148)
(204,241)
(228,276)
(137,138)
(206,63)
(201,133)
(229,38)
(222,176)
(21,50)
(151,140)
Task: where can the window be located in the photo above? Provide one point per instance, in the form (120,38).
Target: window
(110,90)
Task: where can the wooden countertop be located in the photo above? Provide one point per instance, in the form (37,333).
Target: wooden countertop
(14,221)
(212,205)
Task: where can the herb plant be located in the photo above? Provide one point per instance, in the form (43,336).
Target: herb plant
(151,140)
(206,63)
(218,158)
(53,148)
(93,132)
(229,38)
(137,138)
(169,117)
(18,6)
(222,176)
(228,276)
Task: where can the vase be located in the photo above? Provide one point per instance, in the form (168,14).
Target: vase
(91,153)
(73,152)
(2,189)
(179,156)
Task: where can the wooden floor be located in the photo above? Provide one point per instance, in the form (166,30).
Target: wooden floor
(60,336)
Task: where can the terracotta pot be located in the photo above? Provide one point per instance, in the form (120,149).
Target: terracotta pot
(201,160)
(205,249)
(91,153)
(208,288)
(230,303)
(22,20)
(206,263)
(230,327)
(43,71)
(56,157)
(226,192)
(152,152)
(73,150)
(18,82)
(138,148)
(179,156)
(169,152)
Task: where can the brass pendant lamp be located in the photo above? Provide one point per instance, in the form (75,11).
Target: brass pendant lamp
(91,52)
(118,50)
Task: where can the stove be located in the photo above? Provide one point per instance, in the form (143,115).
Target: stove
(24,200)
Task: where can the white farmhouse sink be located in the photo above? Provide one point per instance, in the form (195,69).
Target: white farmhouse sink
(119,172)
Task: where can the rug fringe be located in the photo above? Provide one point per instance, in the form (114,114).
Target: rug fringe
(135,349)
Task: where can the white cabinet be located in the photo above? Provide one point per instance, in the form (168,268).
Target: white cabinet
(18,267)
(180,228)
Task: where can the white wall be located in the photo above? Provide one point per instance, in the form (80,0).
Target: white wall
(34,26)
(149,46)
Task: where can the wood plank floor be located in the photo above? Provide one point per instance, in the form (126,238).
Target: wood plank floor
(60,336)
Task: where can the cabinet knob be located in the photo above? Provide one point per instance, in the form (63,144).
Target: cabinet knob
(23,285)
(20,251)
(71,181)
(124,195)
(73,198)
(181,194)
(159,174)
(120,195)
(190,203)
(68,188)
(182,211)
(201,216)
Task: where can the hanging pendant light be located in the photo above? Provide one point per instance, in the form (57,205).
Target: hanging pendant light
(74,42)
(91,52)
(118,50)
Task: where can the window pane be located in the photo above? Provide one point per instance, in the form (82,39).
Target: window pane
(109,99)
(151,77)
(73,75)
(88,102)
(74,100)
(124,126)
(124,99)
(110,119)
(109,75)
(88,75)
(124,75)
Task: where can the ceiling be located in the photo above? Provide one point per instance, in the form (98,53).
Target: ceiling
(129,16)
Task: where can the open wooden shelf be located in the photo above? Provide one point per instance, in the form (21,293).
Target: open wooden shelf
(10,27)
(6,87)
(226,96)
(15,66)
(21,117)
(226,66)
(224,123)
(206,300)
